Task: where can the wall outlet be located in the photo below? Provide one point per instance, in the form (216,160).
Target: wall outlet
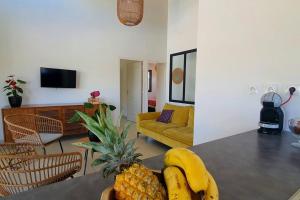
(297,92)
(253,90)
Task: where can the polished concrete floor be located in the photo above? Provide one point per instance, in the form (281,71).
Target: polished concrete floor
(145,145)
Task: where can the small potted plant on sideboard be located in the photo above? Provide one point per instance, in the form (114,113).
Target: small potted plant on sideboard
(14,91)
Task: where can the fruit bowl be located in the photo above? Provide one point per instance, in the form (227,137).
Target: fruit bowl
(109,193)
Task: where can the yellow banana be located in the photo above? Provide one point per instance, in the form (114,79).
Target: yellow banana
(212,192)
(192,165)
(177,185)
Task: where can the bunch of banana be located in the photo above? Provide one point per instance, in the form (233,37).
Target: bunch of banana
(194,178)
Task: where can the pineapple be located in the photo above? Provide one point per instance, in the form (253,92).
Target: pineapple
(138,182)
(133,180)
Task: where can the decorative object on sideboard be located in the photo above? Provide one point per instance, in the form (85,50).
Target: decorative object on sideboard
(271,115)
(130,12)
(294,125)
(14,91)
(94,99)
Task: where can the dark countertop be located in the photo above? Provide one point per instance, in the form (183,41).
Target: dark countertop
(246,166)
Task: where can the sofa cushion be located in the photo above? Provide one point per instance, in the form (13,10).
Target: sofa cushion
(180,115)
(155,126)
(191,118)
(181,134)
(50,137)
(165,116)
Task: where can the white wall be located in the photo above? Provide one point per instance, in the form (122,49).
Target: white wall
(182,30)
(243,43)
(84,35)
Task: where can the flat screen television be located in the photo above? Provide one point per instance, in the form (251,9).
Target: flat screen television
(58,78)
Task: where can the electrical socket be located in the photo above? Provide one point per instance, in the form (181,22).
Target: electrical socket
(297,92)
(253,90)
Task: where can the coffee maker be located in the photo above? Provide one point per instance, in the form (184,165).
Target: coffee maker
(271,115)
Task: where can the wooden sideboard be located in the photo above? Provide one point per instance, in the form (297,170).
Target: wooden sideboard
(62,112)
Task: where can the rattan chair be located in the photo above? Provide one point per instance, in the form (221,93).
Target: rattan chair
(21,169)
(34,129)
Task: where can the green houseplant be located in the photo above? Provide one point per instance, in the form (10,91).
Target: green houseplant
(76,117)
(14,91)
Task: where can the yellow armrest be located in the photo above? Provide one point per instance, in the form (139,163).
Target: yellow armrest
(146,116)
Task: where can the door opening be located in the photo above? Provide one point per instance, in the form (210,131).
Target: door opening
(131,88)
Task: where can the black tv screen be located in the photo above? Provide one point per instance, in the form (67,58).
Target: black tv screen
(58,78)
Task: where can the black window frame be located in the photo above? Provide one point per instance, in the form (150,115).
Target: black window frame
(149,80)
(184,77)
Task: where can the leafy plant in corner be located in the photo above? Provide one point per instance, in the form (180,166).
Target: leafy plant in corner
(14,91)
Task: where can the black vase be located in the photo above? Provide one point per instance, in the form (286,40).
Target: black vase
(15,101)
(93,137)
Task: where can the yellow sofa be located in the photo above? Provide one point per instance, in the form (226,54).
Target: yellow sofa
(178,133)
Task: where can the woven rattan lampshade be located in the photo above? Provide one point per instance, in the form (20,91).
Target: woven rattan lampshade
(130,12)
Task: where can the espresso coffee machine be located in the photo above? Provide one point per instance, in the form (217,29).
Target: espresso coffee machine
(271,115)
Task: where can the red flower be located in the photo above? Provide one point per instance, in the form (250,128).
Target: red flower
(95,94)
(13,83)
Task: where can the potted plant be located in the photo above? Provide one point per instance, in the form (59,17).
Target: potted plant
(76,117)
(94,99)
(14,91)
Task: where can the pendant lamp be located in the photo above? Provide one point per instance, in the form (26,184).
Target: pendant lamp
(130,12)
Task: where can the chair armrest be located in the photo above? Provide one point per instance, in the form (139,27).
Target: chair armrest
(146,116)
(17,149)
(53,163)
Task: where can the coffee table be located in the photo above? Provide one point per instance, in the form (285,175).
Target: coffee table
(246,166)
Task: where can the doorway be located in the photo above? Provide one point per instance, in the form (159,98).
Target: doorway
(156,86)
(131,88)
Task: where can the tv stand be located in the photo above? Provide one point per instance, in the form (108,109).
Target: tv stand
(62,112)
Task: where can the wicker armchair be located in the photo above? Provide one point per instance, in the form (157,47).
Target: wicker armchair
(34,129)
(21,169)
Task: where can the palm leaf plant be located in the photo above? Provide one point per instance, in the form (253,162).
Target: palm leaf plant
(120,158)
(116,152)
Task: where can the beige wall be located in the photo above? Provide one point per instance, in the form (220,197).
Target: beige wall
(242,43)
(84,35)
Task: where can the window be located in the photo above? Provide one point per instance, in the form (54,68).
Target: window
(183,77)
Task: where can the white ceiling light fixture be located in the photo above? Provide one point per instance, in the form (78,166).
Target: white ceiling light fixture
(130,12)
